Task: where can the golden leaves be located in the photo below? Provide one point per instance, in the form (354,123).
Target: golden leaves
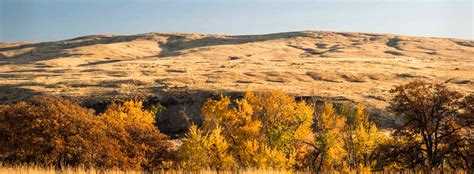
(263,130)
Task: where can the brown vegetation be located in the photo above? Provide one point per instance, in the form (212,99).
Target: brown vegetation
(50,131)
(436,130)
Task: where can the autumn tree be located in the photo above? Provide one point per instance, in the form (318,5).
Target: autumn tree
(50,131)
(328,144)
(286,124)
(206,150)
(462,156)
(436,126)
(345,140)
(265,130)
(361,138)
(140,142)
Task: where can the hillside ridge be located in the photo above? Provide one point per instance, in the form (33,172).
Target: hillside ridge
(360,67)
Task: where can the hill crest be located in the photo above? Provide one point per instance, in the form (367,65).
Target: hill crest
(361,67)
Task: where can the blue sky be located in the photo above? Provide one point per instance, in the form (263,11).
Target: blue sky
(49,20)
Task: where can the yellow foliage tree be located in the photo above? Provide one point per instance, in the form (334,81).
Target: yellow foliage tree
(134,129)
(205,151)
(361,138)
(286,124)
(265,130)
(130,111)
(258,155)
(192,152)
(328,142)
(346,140)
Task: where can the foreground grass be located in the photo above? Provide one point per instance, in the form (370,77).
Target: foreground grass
(41,170)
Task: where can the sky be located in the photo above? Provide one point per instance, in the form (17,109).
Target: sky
(51,20)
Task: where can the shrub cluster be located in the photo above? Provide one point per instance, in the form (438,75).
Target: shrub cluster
(260,131)
(50,131)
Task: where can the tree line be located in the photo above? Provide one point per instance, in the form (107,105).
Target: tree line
(268,130)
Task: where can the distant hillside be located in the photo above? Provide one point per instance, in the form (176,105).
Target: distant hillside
(360,67)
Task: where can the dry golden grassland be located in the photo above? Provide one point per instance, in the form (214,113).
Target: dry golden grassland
(358,66)
(38,170)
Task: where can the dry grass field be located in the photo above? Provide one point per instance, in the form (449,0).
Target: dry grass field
(360,67)
(39,170)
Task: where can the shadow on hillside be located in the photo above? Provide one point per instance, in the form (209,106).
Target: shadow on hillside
(14,93)
(172,47)
(51,50)
(99,62)
(177,43)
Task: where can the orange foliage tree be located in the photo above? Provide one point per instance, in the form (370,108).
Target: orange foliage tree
(140,142)
(50,131)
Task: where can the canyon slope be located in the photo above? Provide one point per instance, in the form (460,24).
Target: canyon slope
(359,67)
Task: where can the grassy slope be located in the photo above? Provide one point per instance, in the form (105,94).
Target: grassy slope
(361,67)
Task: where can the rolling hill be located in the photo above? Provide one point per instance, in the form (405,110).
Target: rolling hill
(360,67)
